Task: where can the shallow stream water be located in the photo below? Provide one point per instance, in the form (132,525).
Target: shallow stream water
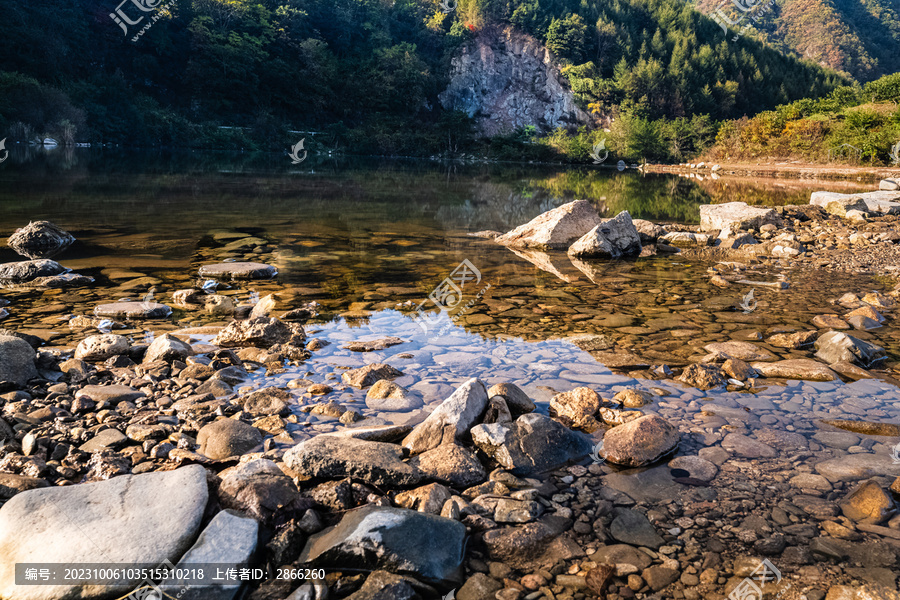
(369,240)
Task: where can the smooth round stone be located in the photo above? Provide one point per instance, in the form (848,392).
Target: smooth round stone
(133,310)
(238,270)
(698,468)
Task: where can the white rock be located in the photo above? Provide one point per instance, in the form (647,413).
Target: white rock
(555,229)
(612,238)
(735,215)
(127,519)
(451,419)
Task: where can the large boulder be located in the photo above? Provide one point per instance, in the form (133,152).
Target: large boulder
(260,333)
(613,238)
(98,348)
(40,239)
(640,442)
(890,185)
(167,347)
(225,438)
(555,229)
(131,519)
(533,443)
(404,542)
(28,270)
(16,360)
(453,418)
(337,457)
(734,216)
(835,346)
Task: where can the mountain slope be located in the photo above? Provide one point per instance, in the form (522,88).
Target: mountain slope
(859,38)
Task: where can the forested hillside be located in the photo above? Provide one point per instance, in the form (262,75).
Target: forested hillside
(362,74)
(860,39)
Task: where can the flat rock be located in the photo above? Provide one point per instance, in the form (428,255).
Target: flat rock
(747,447)
(556,229)
(616,554)
(337,457)
(28,270)
(640,442)
(803,369)
(855,467)
(838,204)
(381,433)
(16,361)
(397,540)
(371,346)
(698,468)
(631,527)
(130,519)
(110,393)
(238,270)
(227,542)
(133,310)
(734,216)
(742,350)
(11,484)
(453,418)
(108,439)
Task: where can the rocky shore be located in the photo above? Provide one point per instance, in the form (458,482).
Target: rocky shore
(191,448)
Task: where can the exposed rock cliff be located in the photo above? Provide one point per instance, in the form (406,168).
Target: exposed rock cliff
(507,79)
